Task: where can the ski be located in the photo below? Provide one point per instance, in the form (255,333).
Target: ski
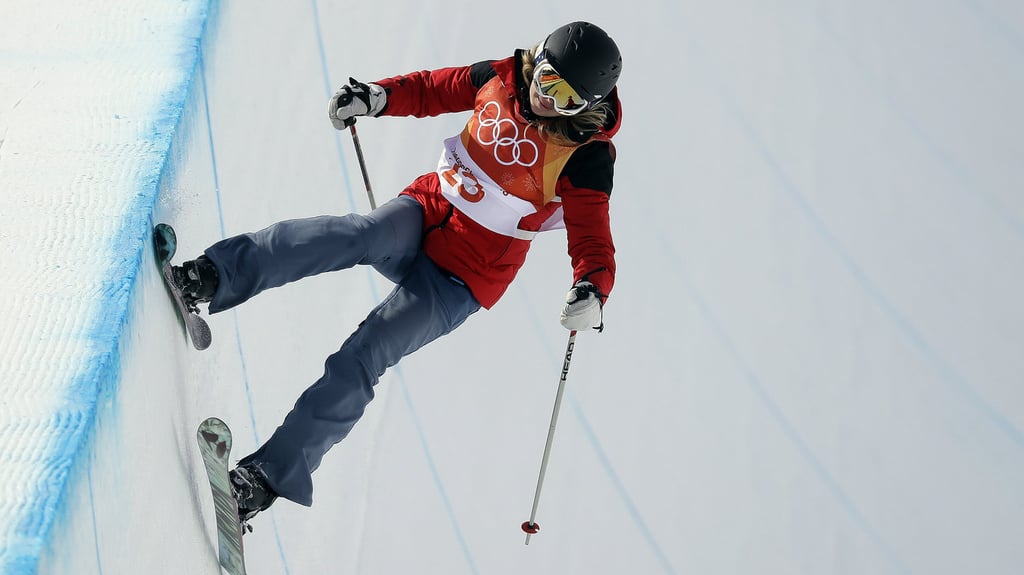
(214,439)
(165,243)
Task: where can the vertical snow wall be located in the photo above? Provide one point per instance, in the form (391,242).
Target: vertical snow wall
(89,103)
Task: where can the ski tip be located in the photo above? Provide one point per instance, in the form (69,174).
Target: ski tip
(212,422)
(165,243)
(214,438)
(164,234)
(163,228)
(212,426)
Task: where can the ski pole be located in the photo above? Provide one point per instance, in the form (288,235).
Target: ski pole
(531,527)
(362,164)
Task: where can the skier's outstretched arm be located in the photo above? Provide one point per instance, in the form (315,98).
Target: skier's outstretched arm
(435,92)
(419,94)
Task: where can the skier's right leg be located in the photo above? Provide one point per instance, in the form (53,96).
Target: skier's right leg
(294,249)
(427,304)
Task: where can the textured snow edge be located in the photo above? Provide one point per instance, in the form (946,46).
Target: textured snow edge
(82,171)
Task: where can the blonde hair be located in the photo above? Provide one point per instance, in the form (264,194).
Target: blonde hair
(566,130)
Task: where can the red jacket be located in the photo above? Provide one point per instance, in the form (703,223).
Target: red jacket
(501,181)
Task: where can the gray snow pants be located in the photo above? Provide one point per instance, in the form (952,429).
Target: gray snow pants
(425,304)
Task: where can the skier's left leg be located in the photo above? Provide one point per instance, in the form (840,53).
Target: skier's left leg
(426,304)
(294,249)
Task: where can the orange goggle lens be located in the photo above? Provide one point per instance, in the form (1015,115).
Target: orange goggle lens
(552,86)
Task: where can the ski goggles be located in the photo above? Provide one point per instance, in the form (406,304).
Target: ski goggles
(555,89)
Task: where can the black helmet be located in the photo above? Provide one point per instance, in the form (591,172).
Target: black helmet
(586,57)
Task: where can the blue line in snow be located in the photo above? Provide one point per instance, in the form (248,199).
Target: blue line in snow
(1000,25)
(73,423)
(329,91)
(435,472)
(602,456)
(790,430)
(966,179)
(947,372)
(238,334)
(95,526)
(620,487)
(437,475)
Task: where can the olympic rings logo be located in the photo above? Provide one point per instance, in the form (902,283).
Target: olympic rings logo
(508,150)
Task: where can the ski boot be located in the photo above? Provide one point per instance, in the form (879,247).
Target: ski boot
(251,491)
(197,279)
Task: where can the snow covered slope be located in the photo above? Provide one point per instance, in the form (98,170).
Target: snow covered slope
(89,101)
(811,361)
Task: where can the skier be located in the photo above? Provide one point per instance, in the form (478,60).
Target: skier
(535,155)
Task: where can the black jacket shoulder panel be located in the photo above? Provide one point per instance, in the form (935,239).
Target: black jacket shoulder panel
(592,166)
(481,72)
